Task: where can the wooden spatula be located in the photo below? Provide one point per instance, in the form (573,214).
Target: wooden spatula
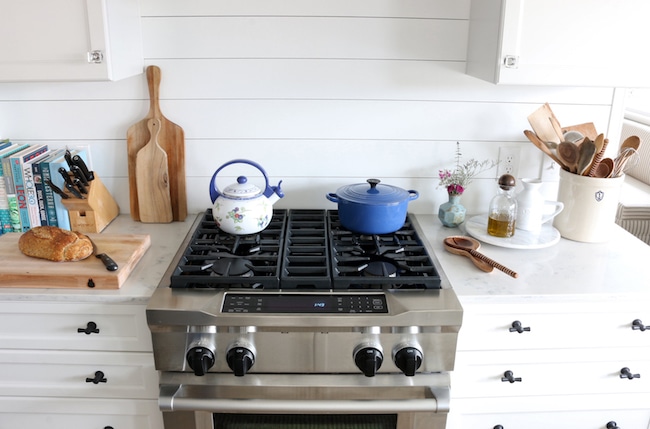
(152,178)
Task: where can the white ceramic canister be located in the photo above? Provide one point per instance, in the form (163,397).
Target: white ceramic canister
(590,205)
(532,209)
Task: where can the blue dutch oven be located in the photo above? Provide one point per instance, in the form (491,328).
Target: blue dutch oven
(374,209)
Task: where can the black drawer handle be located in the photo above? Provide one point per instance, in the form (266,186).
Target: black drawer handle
(99,378)
(612,425)
(516,327)
(91,328)
(498,427)
(509,377)
(626,373)
(638,325)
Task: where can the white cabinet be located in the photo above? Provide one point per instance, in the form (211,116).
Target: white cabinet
(70,40)
(76,365)
(562,370)
(558,42)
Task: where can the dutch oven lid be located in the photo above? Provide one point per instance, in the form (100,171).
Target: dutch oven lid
(375,194)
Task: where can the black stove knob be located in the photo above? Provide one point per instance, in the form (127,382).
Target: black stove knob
(408,360)
(240,360)
(368,360)
(200,359)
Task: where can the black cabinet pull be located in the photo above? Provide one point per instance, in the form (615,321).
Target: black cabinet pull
(638,325)
(516,327)
(108,427)
(612,425)
(510,377)
(626,373)
(91,328)
(498,427)
(99,378)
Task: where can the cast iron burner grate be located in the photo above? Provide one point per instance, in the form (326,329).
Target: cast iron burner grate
(303,250)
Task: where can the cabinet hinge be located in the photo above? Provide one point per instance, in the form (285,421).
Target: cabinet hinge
(511,61)
(95,57)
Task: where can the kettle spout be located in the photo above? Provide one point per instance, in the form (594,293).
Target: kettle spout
(275,194)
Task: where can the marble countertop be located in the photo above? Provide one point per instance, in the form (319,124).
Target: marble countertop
(569,269)
(138,288)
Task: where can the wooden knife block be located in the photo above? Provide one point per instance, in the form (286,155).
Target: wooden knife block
(93,213)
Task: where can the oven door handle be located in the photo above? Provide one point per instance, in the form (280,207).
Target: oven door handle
(172,398)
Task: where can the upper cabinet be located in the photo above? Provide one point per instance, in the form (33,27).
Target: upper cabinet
(560,42)
(70,40)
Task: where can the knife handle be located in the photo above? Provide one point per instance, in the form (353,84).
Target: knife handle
(79,162)
(109,263)
(79,174)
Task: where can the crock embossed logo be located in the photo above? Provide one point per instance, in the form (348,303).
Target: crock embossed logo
(599,195)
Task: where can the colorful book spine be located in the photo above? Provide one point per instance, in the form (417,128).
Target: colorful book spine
(9,212)
(17,163)
(34,191)
(48,194)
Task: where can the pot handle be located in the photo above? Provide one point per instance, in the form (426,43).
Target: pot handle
(413,195)
(214,191)
(332,197)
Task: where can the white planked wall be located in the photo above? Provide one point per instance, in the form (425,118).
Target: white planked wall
(321,93)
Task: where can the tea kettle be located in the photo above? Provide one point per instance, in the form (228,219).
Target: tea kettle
(243,208)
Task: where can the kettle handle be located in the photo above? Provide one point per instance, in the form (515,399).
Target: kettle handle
(214,191)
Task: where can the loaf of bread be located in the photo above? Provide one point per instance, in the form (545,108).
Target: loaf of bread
(55,244)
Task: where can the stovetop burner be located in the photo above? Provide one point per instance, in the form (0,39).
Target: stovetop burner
(304,250)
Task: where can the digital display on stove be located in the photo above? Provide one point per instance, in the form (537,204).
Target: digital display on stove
(304,303)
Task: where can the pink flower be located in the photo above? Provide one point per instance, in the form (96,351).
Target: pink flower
(455,189)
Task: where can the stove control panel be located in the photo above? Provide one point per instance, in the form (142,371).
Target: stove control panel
(310,303)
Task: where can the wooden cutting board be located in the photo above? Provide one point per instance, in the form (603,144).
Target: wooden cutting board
(171,139)
(18,270)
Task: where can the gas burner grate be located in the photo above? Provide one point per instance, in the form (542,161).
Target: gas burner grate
(215,259)
(397,260)
(306,253)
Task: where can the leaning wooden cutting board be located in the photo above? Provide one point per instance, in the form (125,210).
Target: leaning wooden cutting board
(171,139)
(18,270)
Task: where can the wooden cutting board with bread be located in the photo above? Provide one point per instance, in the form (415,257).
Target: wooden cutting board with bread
(74,264)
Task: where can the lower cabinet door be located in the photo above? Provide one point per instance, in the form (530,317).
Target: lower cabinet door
(77,413)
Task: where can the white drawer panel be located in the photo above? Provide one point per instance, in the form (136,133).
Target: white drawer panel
(54,413)
(551,372)
(552,330)
(38,325)
(65,374)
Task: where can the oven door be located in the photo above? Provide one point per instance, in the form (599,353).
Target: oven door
(306,401)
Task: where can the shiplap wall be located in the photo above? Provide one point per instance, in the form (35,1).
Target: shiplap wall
(321,93)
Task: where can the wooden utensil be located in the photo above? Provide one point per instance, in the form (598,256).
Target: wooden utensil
(171,139)
(601,145)
(543,122)
(587,129)
(631,142)
(466,246)
(604,168)
(569,153)
(152,179)
(587,152)
(540,145)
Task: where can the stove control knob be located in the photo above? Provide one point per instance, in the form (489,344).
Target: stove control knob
(408,359)
(200,359)
(240,360)
(368,360)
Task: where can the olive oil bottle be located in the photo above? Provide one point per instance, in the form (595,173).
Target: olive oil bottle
(502,214)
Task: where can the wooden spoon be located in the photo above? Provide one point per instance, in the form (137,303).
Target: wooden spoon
(540,145)
(569,153)
(604,168)
(587,152)
(601,145)
(633,141)
(152,179)
(466,246)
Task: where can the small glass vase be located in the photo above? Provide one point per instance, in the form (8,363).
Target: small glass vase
(452,213)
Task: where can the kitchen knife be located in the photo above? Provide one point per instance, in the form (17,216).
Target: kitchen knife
(57,190)
(109,263)
(80,186)
(64,173)
(68,158)
(79,162)
(70,187)
(78,173)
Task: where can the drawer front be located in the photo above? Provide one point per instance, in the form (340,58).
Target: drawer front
(543,330)
(78,413)
(78,374)
(56,326)
(551,372)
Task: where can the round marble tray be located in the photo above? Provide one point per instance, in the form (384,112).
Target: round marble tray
(547,236)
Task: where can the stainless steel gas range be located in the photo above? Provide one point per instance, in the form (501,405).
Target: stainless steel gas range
(304,325)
